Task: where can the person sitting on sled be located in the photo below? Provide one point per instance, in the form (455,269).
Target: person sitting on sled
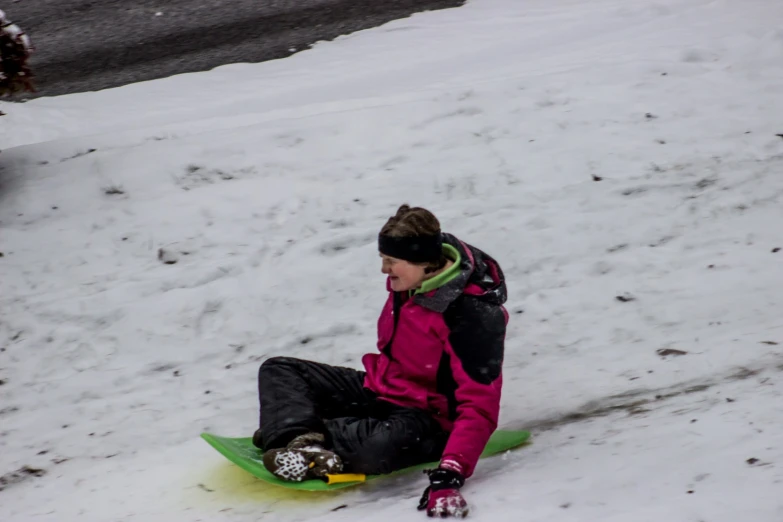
(431,394)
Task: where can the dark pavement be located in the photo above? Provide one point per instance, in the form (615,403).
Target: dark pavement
(86,45)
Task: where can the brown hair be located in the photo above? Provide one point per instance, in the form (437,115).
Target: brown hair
(412,222)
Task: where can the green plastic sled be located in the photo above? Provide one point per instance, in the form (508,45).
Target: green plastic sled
(241,452)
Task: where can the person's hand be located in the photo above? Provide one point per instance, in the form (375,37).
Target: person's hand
(442,497)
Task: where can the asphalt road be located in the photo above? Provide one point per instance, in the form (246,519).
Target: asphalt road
(86,45)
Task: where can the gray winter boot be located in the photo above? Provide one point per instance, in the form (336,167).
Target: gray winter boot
(304,458)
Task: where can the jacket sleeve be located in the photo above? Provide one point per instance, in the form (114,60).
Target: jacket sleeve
(475,345)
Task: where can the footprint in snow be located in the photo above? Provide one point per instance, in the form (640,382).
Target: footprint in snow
(459,113)
(699,56)
(195,176)
(340,245)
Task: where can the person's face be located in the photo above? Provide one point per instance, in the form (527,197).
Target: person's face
(403,275)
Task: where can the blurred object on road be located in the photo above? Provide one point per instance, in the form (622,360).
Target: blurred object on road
(15,49)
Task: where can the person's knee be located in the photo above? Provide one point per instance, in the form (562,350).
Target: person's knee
(277,362)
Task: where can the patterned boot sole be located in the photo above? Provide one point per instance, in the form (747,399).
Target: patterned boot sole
(296,465)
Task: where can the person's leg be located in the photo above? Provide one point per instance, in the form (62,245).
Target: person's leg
(393,438)
(295,396)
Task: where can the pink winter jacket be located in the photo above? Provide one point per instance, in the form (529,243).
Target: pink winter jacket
(442,351)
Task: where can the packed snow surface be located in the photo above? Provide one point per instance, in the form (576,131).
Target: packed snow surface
(619,158)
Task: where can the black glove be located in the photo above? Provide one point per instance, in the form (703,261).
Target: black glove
(442,497)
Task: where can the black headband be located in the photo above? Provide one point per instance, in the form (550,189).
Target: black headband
(418,249)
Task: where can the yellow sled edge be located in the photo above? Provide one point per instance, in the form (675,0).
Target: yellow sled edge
(345,477)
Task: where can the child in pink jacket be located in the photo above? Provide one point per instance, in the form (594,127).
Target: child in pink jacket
(432,390)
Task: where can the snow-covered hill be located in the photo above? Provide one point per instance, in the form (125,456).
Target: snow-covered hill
(619,158)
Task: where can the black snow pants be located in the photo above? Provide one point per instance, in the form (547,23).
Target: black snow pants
(370,435)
